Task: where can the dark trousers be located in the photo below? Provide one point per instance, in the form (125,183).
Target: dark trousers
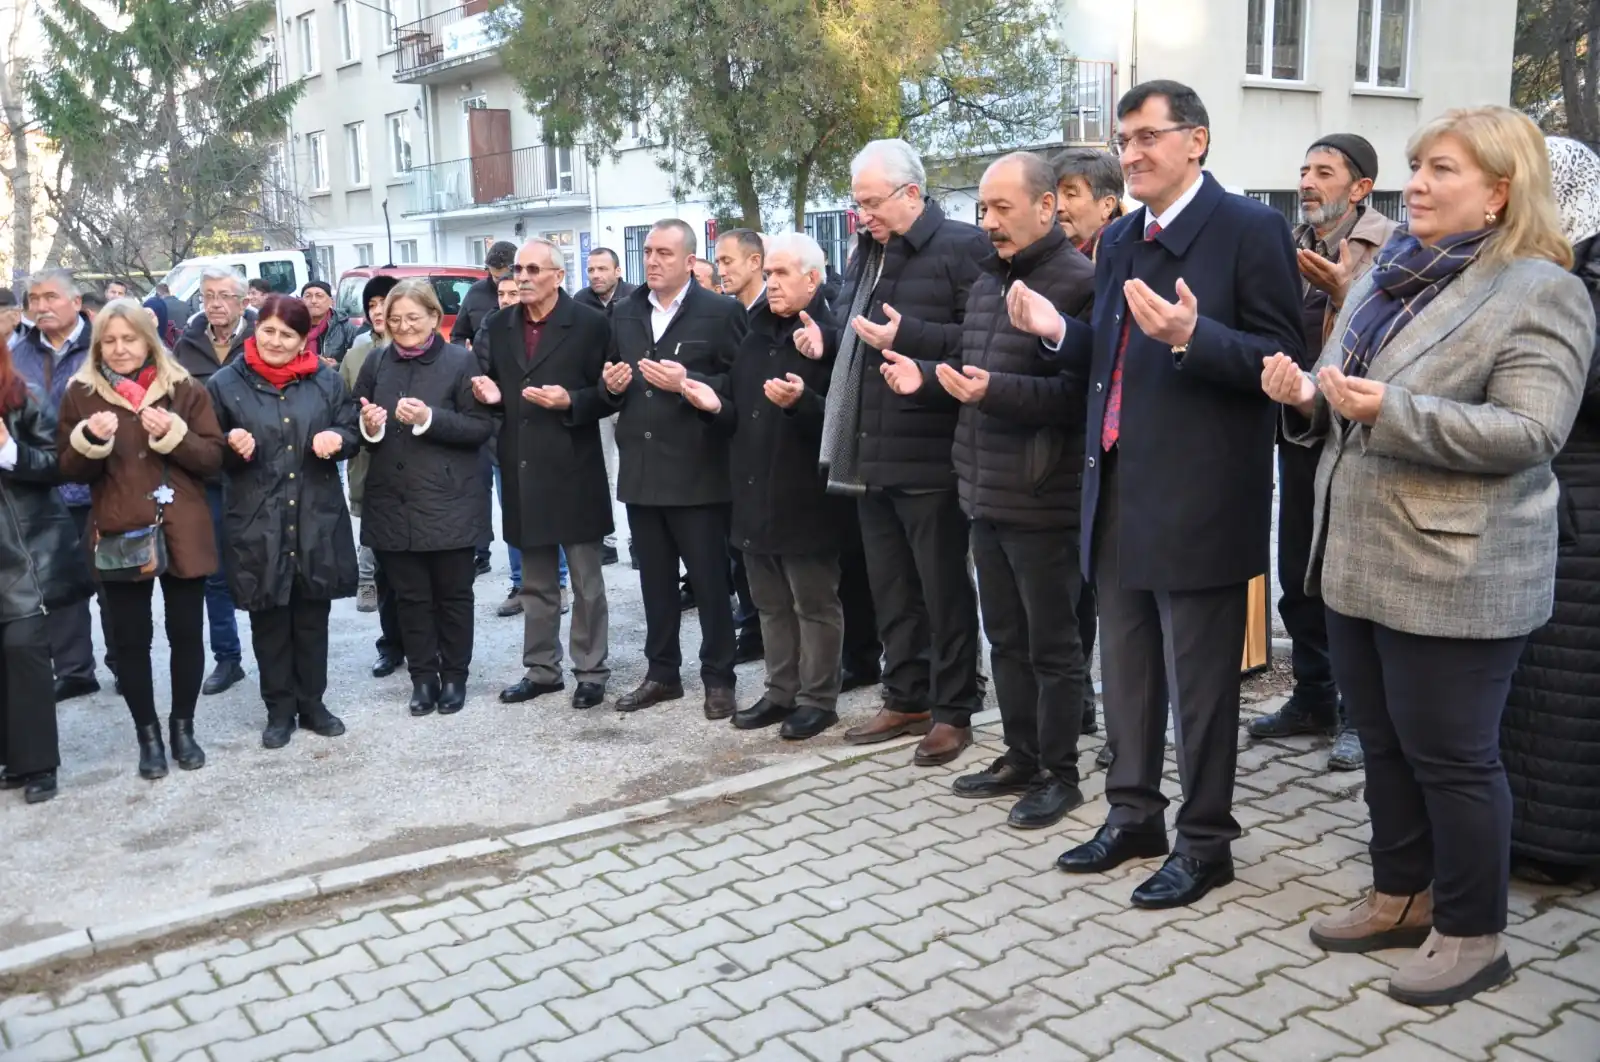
(746,616)
(916,548)
(28,740)
(291,645)
(133,632)
(220,619)
(863,651)
(1029,584)
(71,630)
(698,536)
(433,596)
(1088,626)
(1428,712)
(486,466)
(388,643)
(1159,647)
(802,626)
(1303,614)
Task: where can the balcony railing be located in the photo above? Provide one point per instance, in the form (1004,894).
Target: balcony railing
(513,177)
(445,35)
(1089,98)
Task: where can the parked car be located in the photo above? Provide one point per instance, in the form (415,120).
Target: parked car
(450,283)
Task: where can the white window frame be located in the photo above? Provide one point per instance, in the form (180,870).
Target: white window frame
(398,129)
(317,153)
(363,254)
(405,252)
(1268,26)
(478,249)
(348,20)
(355,146)
(325,263)
(476,102)
(1374,47)
(306,43)
(391,22)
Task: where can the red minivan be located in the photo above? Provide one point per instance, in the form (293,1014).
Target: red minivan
(450,283)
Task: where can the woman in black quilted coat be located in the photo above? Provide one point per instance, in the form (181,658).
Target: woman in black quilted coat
(1550,735)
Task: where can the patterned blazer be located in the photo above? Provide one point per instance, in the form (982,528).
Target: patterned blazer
(1440,518)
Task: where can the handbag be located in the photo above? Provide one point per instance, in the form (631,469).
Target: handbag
(139,555)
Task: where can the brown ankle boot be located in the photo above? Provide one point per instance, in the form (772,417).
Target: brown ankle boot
(1379,921)
(1446,970)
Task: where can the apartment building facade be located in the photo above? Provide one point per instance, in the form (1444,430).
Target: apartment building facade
(408,107)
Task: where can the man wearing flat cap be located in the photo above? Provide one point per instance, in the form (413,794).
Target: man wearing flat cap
(1338,238)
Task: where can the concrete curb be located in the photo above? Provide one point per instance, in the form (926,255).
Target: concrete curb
(96,940)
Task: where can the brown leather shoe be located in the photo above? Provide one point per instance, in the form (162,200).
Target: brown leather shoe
(888,724)
(720,703)
(648,693)
(943,744)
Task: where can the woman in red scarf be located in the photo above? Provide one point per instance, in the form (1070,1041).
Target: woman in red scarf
(288,548)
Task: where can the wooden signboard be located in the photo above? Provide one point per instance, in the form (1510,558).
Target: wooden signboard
(1258,628)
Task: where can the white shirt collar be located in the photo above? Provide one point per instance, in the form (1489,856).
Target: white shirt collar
(1167,218)
(757,299)
(72,337)
(677,300)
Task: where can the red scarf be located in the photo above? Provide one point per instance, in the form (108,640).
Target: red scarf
(315,338)
(131,388)
(304,364)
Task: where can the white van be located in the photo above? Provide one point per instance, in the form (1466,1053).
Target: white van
(287,271)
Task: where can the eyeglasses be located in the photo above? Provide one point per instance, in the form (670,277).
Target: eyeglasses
(872,206)
(211,298)
(1145,138)
(534,270)
(410,321)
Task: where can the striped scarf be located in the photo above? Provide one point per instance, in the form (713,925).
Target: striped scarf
(1406,277)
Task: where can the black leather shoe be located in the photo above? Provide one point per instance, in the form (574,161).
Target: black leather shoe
(1181,881)
(1000,778)
(152,752)
(608,556)
(1110,847)
(278,731)
(68,688)
(525,689)
(37,788)
(481,564)
(1089,725)
(720,702)
(186,752)
(1044,805)
(321,722)
(1106,755)
(12,781)
(1300,714)
(806,723)
(226,675)
(859,678)
(386,665)
(452,697)
(424,695)
(685,599)
(748,651)
(649,693)
(588,695)
(760,714)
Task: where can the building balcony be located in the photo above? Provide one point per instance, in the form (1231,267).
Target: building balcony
(525,180)
(1089,102)
(450,43)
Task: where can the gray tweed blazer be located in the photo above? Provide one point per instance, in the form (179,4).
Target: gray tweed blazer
(1440,519)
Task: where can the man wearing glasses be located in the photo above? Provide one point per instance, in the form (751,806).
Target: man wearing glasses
(1192,293)
(905,296)
(212,339)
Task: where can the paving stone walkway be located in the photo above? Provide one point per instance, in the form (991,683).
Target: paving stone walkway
(861,914)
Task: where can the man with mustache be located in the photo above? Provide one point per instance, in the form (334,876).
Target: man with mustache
(1337,240)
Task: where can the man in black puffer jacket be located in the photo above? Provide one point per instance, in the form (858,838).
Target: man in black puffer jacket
(1019,462)
(904,297)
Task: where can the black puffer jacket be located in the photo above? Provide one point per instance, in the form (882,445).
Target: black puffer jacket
(42,563)
(284,509)
(424,492)
(1019,451)
(481,299)
(195,353)
(927,275)
(337,339)
(1550,733)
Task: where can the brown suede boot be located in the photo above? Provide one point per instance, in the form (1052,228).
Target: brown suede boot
(1379,921)
(1446,970)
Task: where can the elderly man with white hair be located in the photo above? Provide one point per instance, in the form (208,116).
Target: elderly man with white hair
(905,296)
(784,521)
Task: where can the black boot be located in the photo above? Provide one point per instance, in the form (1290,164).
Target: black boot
(190,756)
(280,727)
(424,694)
(321,722)
(452,697)
(152,752)
(1302,713)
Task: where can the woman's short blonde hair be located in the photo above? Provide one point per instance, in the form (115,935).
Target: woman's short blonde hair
(420,291)
(138,319)
(1507,146)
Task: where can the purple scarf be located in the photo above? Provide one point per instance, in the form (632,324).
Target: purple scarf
(407,353)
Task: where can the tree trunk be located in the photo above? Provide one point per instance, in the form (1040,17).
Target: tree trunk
(19,175)
(740,173)
(801,191)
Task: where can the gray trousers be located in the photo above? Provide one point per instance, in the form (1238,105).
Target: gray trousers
(1157,646)
(802,626)
(608,450)
(588,639)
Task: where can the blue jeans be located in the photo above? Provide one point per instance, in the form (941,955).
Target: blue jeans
(513,553)
(219,601)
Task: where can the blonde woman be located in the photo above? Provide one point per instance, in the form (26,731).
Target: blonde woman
(140,431)
(1451,379)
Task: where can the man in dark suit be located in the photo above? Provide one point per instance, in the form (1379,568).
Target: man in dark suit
(606,286)
(544,364)
(1191,293)
(674,467)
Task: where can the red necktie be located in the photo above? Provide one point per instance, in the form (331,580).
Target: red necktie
(1111,423)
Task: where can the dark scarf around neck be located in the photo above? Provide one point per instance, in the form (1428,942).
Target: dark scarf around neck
(1405,278)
